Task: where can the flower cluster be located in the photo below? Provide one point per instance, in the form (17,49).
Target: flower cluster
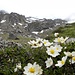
(39,43)
(54,50)
(36,43)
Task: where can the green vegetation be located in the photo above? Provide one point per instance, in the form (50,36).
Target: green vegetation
(10,56)
(68,30)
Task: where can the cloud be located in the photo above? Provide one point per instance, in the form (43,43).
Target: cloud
(40,8)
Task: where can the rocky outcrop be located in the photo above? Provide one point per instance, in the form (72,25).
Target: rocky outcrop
(13,36)
(4,44)
(24,26)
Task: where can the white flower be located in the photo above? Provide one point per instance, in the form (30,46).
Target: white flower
(68,54)
(15,70)
(35,44)
(66,38)
(39,40)
(73,53)
(61,62)
(65,47)
(31,42)
(58,48)
(60,39)
(49,62)
(57,40)
(18,65)
(73,58)
(52,51)
(46,43)
(34,69)
(56,34)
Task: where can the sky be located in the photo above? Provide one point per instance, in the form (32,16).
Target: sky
(40,8)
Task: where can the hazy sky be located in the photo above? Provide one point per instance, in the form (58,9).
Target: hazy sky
(40,8)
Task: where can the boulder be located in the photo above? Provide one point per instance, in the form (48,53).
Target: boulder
(13,36)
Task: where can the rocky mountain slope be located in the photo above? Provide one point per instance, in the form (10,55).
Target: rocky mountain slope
(15,24)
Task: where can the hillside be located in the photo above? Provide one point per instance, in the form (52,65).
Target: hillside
(14,56)
(15,51)
(67,30)
(14,25)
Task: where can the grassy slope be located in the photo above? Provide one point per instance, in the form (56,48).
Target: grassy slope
(10,56)
(68,30)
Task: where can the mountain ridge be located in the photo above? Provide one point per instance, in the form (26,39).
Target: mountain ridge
(25,26)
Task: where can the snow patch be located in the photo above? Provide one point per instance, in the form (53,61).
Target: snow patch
(35,32)
(20,24)
(41,31)
(14,24)
(3,21)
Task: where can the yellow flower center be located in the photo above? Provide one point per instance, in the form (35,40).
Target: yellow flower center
(32,70)
(59,40)
(57,49)
(62,62)
(52,51)
(45,42)
(73,58)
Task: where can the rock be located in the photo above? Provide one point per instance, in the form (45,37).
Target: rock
(4,44)
(13,36)
(0,38)
(21,25)
(70,40)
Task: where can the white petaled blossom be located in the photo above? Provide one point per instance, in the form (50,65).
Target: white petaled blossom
(39,40)
(61,62)
(15,70)
(72,60)
(69,54)
(60,39)
(18,66)
(58,48)
(32,69)
(46,43)
(49,62)
(35,44)
(31,42)
(56,34)
(52,51)
(57,40)
(73,53)
(66,38)
(65,47)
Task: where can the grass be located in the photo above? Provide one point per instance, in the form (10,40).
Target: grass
(10,56)
(23,40)
(68,30)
